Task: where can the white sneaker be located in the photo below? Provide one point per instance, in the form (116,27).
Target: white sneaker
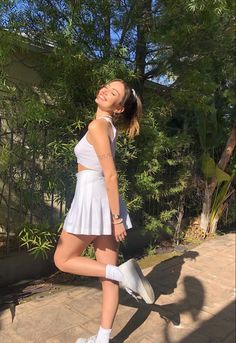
(87,340)
(135,281)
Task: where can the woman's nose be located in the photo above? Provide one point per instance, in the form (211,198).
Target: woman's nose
(104,91)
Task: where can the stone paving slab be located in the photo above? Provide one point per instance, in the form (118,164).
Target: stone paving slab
(195,303)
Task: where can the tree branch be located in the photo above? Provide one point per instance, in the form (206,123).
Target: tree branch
(126,25)
(228,151)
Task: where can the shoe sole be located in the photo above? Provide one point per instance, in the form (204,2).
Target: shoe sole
(84,340)
(145,289)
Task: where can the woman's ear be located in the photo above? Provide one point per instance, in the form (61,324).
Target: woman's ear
(119,109)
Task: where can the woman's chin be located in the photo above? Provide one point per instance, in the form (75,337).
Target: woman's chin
(100,103)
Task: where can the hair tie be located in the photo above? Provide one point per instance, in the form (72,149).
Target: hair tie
(134,93)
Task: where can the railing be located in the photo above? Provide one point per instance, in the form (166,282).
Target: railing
(28,194)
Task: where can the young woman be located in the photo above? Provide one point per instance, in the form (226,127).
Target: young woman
(98,215)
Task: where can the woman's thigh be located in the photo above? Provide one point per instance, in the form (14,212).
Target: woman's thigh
(106,249)
(70,245)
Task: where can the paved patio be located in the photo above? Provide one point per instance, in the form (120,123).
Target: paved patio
(195,303)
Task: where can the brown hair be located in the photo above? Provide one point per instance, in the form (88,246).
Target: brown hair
(129,118)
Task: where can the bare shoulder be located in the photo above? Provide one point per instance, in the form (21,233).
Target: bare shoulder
(98,125)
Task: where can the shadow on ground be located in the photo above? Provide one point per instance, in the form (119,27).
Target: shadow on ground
(164,278)
(219,329)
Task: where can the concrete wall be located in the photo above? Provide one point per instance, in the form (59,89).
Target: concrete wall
(22,266)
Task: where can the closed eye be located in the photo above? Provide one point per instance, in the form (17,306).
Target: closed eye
(114,91)
(109,87)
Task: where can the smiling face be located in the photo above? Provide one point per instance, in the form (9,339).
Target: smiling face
(110,97)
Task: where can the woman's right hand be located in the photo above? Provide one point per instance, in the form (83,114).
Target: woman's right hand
(119,232)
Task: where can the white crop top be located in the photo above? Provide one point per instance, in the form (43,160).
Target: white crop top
(86,154)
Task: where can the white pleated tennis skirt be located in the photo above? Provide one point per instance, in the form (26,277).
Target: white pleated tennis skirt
(90,213)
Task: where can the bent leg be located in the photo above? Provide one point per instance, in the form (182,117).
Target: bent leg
(68,257)
(106,249)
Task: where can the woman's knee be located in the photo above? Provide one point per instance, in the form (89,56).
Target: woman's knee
(58,261)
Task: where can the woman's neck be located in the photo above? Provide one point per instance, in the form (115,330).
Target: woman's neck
(100,113)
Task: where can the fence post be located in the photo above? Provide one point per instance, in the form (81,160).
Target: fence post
(9,196)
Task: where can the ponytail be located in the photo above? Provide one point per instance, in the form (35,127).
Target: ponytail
(129,118)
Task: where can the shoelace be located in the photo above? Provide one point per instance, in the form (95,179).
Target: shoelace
(128,290)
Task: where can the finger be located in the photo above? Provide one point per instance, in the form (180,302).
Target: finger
(122,237)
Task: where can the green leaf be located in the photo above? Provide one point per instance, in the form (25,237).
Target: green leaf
(219,199)
(208,166)
(222,175)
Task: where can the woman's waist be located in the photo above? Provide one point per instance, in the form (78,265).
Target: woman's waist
(82,167)
(89,174)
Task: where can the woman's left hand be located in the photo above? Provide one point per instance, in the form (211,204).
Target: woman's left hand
(119,232)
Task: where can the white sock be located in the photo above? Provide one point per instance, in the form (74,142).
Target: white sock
(113,273)
(103,335)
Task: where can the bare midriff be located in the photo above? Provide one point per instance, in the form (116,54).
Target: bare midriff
(81,167)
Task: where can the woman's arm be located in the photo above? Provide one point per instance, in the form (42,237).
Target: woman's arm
(98,135)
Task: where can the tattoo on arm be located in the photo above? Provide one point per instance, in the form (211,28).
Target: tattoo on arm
(108,155)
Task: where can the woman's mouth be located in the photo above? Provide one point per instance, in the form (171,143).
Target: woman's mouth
(100,96)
